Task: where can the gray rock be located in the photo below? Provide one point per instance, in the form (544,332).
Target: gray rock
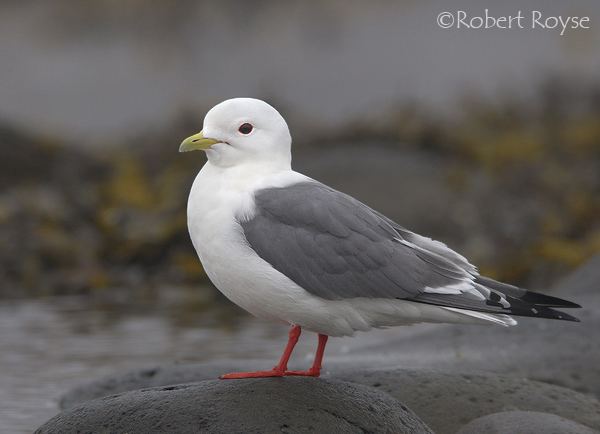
(246,406)
(443,400)
(524,422)
(447,401)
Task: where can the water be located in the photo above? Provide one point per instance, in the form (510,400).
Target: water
(48,346)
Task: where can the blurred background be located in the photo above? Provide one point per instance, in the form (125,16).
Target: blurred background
(488,140)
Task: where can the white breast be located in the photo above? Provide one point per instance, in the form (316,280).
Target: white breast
(219,197)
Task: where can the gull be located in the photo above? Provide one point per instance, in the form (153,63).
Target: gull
(288,248)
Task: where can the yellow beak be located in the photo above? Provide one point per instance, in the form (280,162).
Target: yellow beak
(197,142)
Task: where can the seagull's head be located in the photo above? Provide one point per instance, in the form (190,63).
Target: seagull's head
(242,130)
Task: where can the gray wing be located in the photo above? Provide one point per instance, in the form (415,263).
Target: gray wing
(335,247)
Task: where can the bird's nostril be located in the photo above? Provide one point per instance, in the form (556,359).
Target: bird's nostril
(195,140)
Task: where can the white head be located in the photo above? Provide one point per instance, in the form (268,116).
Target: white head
(243,130)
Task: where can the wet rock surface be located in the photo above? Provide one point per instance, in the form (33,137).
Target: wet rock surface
(250,406)
(524,422)
(449,389)
(446,401)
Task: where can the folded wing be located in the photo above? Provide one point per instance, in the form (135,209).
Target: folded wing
(335,247)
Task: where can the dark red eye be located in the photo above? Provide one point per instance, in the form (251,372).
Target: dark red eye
(245,128)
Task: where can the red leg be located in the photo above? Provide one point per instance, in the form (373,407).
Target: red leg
(315,369)
(277,371)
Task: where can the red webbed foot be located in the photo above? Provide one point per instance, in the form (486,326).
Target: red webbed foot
(307,373)
(255,374)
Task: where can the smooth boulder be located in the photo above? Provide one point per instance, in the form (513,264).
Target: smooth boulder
(524,422)
(273,405)
(446,401)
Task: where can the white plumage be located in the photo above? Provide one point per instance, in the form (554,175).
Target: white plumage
(223,194)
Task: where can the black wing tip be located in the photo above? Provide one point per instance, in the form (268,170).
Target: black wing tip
(530,297)
(544,312)
(545,300)
(518,307)
(561,316)
(521,307)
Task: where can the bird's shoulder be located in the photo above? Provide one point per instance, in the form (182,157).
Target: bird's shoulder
(314,206)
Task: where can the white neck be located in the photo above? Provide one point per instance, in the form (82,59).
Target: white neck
(232,188)
(225,156)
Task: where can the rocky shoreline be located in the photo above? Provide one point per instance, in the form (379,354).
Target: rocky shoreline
(541,376)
